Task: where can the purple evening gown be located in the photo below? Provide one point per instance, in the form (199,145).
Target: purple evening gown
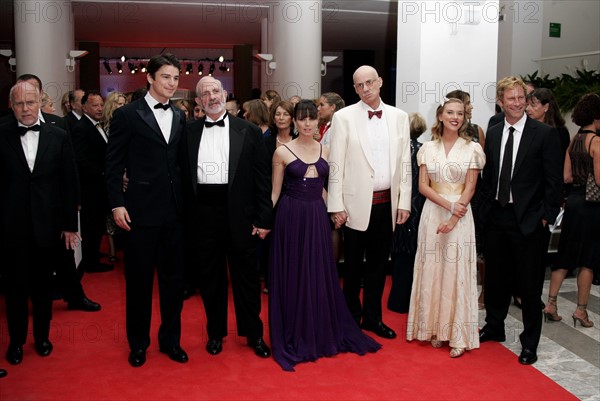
(308,316)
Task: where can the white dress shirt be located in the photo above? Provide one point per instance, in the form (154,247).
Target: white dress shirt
(213,154)
(519,126)
(30,142)
(164,118)
(379,139)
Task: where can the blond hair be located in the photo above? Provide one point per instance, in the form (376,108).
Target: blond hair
(508,83)
(437,131)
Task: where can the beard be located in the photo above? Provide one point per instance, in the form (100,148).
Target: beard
(215,107)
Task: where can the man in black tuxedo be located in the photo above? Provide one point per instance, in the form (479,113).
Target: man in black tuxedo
(76,112)
(67,276)
(523,179)
(89,142)
(38,214)
(230,204)
(145,138)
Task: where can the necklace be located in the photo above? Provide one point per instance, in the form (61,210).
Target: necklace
(282,143)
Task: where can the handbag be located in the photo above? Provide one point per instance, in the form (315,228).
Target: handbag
(592,191)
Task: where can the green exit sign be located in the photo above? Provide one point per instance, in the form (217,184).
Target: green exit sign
(554,30)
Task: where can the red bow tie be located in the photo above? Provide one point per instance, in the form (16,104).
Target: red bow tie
(375,113)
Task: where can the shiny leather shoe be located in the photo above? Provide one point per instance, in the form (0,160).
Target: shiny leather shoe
(214,347)
(137,358)
(486,335)
(380,330)
(44,348)
(527,357)
(261,349)
(14,355)
(84,304)
(176,354)
(3,373)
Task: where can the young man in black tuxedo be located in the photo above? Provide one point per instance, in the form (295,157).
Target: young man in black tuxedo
(229,187)
(523,180)
(38,215)
(145,138)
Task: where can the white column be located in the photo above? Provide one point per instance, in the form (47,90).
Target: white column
(43,38)
(443,46)
(520,37)
(296,47)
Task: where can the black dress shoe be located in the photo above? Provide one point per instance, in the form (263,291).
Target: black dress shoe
(84,304)
(176,354)
(99,268)
(14,355)
(486,335)
(3,373)
(137,357)
(214,347)
(260,348)
(380,330)
(527,357)
(44,348)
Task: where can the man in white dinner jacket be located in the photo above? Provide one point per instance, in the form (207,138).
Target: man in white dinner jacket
(369,192)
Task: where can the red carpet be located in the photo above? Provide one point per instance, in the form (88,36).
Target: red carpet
(89,362)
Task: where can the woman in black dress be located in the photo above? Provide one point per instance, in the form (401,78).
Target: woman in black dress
(578,246)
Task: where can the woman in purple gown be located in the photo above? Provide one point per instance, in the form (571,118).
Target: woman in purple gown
(308,316)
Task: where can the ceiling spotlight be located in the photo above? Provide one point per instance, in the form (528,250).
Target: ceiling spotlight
(200,68)
(132,67)
(211,69)
(188,69)
(107,66)
(123,59)
(142,67)
(119,67)
(221,59)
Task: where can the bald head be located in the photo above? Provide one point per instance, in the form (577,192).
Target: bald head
(25,102)
(367,85)
(211,96)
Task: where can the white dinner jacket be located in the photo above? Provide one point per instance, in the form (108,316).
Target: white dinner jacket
(352,169)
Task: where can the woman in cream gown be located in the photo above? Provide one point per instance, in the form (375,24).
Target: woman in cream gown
(443,304)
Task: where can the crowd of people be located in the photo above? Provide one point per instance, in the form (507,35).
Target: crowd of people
(222,190)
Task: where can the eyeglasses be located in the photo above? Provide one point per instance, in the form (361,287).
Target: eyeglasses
(368,83)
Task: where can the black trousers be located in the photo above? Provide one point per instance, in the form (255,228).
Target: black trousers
(216,252)
(373,246)
(512,258)
(28,274)
(94,208)
(145,248)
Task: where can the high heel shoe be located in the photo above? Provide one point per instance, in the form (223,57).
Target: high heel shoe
(436,343)
(551,310)
(456,352)
(584,321)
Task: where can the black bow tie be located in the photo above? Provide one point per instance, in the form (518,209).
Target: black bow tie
(23,130)
(162,106)
(220,123)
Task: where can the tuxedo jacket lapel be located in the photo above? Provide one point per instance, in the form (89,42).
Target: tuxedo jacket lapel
(392,129)
(43,144)
(193,141)
(175,125)
(360,125)
(236,143)
(496,146)
(14,139)
(147,115)
(527,137)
